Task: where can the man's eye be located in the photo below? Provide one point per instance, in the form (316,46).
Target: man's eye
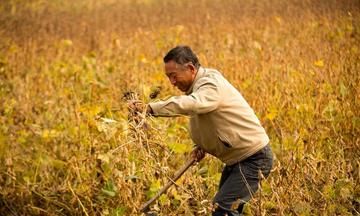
(172,76)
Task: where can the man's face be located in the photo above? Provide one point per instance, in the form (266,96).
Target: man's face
(181,76)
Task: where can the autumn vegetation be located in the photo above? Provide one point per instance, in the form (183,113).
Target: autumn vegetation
(68,146)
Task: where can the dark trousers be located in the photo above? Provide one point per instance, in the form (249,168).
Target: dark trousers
(240,181)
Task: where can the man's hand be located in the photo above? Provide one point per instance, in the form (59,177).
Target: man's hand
(137,106)
(198,154)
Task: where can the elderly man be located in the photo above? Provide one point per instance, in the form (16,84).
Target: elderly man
(222,124)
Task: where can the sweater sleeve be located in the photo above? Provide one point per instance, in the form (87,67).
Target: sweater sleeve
(205,98)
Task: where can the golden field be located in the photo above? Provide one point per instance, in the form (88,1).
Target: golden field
(67,146)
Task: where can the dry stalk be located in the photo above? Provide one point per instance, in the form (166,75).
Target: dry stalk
(77,198)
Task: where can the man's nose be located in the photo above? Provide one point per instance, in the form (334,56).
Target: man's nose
(172,81)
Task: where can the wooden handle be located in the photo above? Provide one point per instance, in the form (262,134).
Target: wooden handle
(177,175)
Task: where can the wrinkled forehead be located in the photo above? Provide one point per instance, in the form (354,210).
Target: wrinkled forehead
(172,66)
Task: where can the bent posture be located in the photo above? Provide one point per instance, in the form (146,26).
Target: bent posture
(222,124)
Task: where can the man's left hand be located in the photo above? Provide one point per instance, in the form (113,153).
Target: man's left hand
(198,154)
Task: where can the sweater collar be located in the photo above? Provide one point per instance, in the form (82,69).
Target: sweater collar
(199,74)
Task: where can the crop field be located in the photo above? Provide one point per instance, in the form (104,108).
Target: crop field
(68,146)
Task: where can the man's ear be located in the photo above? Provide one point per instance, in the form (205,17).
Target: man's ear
(192,67)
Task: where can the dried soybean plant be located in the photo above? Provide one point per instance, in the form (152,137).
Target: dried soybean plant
(137,114)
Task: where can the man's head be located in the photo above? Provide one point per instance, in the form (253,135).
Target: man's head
(181,66)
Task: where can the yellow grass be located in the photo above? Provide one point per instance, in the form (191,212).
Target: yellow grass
(65,65)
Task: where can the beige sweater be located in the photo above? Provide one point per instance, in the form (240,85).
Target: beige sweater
(221,122)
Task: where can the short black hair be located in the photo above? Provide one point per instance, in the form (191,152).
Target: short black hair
(182,55)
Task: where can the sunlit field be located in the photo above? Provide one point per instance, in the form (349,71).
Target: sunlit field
(68,146)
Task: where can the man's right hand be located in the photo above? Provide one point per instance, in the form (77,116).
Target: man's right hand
(198,154)
(137,106)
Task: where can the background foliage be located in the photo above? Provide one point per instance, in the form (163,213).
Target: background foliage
(68,148)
